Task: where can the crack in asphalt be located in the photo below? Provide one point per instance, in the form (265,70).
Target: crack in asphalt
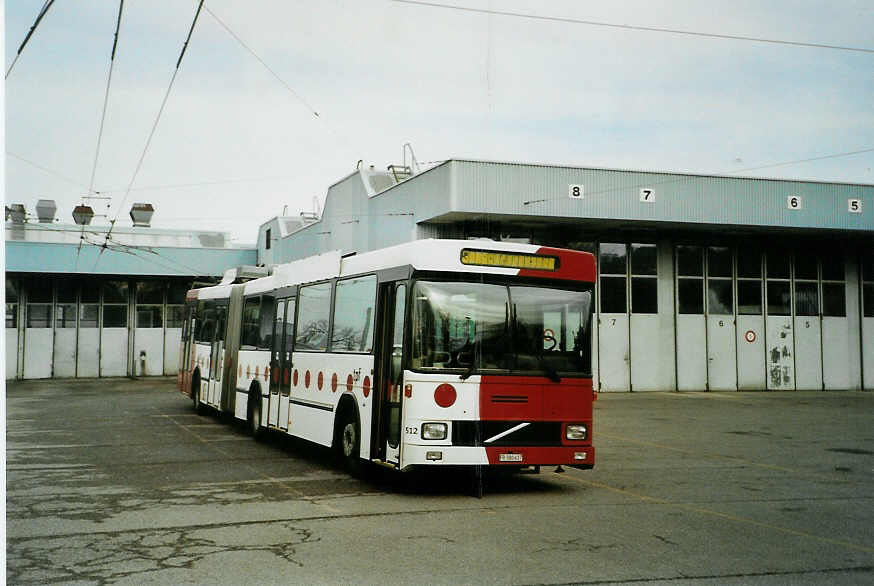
(105,558)
(686,578)
(578,544)
(100,505)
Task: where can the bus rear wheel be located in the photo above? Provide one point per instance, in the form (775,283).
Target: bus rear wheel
(254,419)
(349,442)
(195,396)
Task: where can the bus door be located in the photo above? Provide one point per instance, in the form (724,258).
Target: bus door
(217,356)
(390,374)
(186,352)
(277,355)
(285,362)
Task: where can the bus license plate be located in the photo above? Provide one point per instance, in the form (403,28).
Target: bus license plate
(510,458)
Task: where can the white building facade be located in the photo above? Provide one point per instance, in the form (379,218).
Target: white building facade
(87,301)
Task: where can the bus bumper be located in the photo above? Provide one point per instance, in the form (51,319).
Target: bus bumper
(436,455)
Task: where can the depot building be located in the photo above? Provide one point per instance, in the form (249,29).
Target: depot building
(93,301)
(704,282)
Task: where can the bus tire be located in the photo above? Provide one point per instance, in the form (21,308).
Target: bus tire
(195,395)
(253,420)
(348,440)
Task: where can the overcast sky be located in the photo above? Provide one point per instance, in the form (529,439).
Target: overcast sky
(235,145)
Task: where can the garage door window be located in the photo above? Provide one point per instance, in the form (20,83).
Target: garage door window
(613,264)
(719,292)
(39,303)
(150,304)
(690,279)
(834,286)
(115,304)
(65,308)
(778,291)
(868,285)
(644,279)
(11,303)
(749,281)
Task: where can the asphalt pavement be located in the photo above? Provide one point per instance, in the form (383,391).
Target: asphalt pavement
(119,482)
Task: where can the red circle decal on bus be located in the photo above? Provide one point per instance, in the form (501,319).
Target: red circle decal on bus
(306,380)
(445,395)
(366,386)
(334,383)
(294,377)
(321,380)
(349,383)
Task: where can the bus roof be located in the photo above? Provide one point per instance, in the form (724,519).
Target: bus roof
(458,256)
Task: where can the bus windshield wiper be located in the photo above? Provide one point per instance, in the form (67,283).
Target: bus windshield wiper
(472,368)
(550,372)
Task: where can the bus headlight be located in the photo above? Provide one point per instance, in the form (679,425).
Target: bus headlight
(434,431)
(576,431)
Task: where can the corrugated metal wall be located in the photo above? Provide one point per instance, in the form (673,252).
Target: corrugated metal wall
(506,188)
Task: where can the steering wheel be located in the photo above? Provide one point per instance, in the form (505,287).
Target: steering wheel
(549,338)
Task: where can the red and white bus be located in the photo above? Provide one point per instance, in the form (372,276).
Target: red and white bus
(429,353)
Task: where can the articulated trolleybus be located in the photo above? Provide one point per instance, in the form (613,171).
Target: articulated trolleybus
(430,353)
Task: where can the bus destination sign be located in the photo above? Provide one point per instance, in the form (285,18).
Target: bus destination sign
(489,258)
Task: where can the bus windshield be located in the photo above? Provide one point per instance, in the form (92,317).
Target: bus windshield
(475,328)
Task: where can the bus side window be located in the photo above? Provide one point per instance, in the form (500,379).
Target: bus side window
(221,322)
(353,315)
(207,330)
(249,333)
(398,333)
(315,309)
(289,325)
(265,324)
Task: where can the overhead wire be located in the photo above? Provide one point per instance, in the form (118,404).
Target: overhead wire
(157,120)
(102,119)
(165,261)
(629,27)
(263,63)
(82,186)
(39,17)
(106,96)
(51,172)
(340,139)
